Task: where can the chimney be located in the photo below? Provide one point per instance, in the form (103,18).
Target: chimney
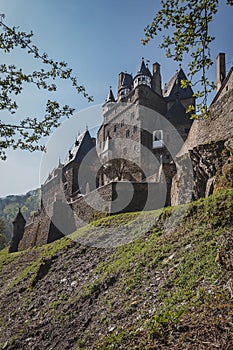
(120,79)
(156,79)
(221,69)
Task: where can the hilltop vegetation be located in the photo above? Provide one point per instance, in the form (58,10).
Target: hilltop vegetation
(9,206)
(172,288)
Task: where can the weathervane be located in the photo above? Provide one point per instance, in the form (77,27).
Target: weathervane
(2,17)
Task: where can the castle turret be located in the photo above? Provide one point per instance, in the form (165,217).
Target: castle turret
(110,101)
(143,76)
(110,97)
(125,85)
(18,230)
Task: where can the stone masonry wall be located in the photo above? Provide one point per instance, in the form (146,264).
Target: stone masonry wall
(119,197)
(219,125)
(36,232)
(206,147)
(89,207)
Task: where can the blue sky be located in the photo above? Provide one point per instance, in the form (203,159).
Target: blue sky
(98,39)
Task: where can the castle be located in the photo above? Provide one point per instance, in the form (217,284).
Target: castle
(136,162)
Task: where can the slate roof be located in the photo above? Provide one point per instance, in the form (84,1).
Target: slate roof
(110,97)
(173,87)
(143,70)
(80,148)
(177,113)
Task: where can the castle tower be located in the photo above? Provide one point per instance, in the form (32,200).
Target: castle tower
(145,116)
(18,230)
(125,85)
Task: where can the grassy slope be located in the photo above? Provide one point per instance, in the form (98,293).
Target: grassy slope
(172,288)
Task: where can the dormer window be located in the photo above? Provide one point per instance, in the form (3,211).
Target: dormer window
(158,139)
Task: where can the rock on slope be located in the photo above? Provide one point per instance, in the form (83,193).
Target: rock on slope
(170,289)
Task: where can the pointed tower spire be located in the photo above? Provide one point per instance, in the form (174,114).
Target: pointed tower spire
(110,97)
(144,70)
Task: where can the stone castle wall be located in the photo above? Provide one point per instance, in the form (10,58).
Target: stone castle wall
(119,197)
(113,198)
(217,127)
(36,232)
(207,150)
(90,206)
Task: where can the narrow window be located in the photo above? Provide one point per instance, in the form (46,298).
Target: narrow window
(127,134)
(158,139)
(157,135)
